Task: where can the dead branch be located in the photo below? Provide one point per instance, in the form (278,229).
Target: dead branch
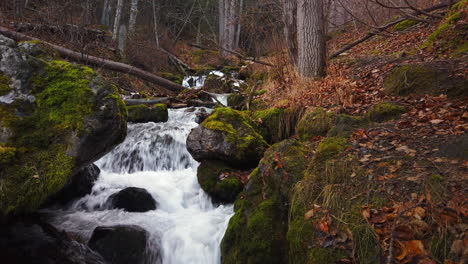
(100,62)
(233,52)
(378,30)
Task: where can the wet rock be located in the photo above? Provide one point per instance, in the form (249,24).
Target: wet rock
(227,135)
(62,116)
(120,244)
(31,241)
(219,181)
(201,116)
(81,184)
(132,199)
(143,114)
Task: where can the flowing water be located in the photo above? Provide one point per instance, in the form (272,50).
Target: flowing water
(186,226)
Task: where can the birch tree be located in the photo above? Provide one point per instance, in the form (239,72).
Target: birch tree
(133,16)
(311,38)
(118,16)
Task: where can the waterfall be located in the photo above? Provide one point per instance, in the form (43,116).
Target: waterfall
(187,227)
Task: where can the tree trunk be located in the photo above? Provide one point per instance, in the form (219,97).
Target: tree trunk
(133,17)
(155,24)
(118,15)
(19,7)
(311,38)
(239,23)
(290,28)
(106,13)
(227,25)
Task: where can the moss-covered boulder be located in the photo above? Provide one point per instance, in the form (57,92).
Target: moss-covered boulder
(272,122)
(58,118)
(382,112)
(257,232)
(426,78)
(143,114)
(219,181)
(344,125)
(315,122)
(227,135)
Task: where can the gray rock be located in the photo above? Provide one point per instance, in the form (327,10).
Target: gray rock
(132,199)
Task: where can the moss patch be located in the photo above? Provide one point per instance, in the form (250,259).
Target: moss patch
(5,82)
(271,122)
(236,100)
(142,113)
(406,79)
(330,147)
(217,179)
(240,131)
(257,231)
(405,24)
(44,134)
(314,123)
(384,111)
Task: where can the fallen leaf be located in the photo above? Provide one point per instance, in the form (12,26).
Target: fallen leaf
(365,212)
(436,121)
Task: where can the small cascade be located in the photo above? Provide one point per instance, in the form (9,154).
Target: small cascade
(187,228)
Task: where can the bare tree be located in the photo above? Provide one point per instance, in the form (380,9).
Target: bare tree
(311,38)
(133,16)
(290,28)
(118,16)
(227,25)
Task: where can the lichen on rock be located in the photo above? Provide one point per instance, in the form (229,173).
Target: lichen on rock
(315,122)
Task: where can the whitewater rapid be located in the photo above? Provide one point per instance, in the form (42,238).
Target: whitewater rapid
(186,226)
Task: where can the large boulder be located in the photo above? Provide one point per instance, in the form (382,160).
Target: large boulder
(132,199)
(227,135)
(121,244)
(56,118)
(256,234)
(427,78)
(29,240)
(219,181)
(80,185)
(217,84)
(143,114)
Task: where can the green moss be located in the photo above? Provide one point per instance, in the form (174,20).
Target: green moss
(236,100)
(177,78)
(314,123)
(384,111)
(449,36)
(330,147)
(239,130)
(405,24)
(406,79)
(344,125)
(271,122)
(230,69)
(325,255)
(261,92)
(44,134)
(7,154)
(257,231)
(300,238)
(222,189)
(5,82)
(142,113)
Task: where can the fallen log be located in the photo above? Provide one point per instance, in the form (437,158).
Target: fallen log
(100,62)
(378,30)
(163,100)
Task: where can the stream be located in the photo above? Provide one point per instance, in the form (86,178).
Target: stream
(187,227)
